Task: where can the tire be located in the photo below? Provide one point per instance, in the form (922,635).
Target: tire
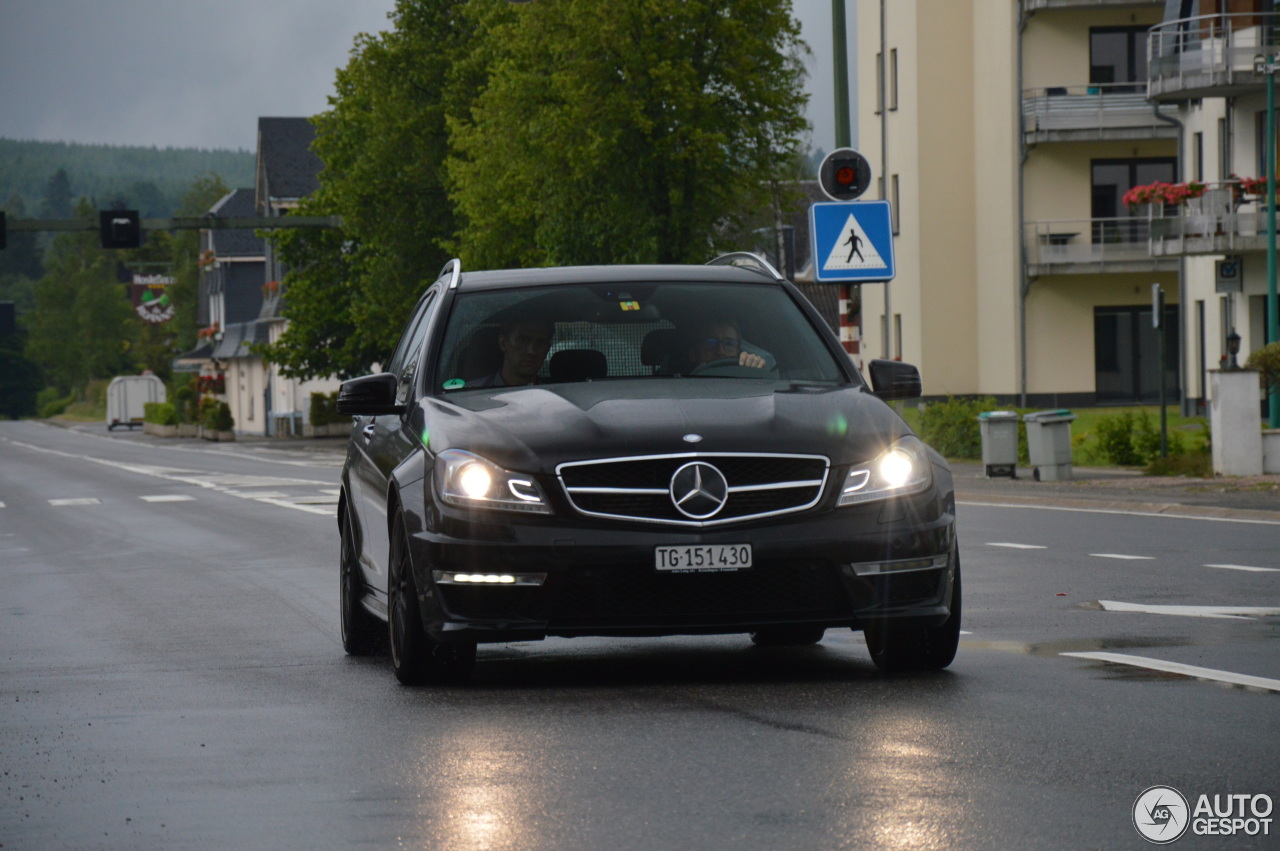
(897,649)
(361,631)
(787,636)
(415,657)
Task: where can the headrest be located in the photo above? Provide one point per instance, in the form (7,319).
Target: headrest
(578,365)
(657,345)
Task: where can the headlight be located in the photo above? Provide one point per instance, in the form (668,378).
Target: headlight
(901,469)
(470,481)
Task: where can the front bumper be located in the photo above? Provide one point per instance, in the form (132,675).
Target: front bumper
(826,567)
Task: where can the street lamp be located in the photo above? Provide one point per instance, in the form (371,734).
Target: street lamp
(1233,349)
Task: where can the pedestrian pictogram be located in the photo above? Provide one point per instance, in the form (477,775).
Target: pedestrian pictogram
(852,241)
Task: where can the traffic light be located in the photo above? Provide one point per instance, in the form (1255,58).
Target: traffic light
(119,228)
(844,174)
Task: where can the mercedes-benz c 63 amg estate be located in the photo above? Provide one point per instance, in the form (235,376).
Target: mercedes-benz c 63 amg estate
(637,451)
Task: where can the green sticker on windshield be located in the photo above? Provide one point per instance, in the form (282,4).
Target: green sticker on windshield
(454,384)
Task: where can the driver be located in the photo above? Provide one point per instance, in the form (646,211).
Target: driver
(524,346)
(721,340)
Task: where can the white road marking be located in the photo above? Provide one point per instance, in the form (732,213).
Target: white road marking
(222,483)
(311,509)
(1235,612)
(257,494)
(1,505)
(1170,515)
(1245,567)
(168,497)
(1198,673)
(1017,546)
(1122,556)
(82,500)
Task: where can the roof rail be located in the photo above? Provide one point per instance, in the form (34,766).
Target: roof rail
(746,260)
(454,269)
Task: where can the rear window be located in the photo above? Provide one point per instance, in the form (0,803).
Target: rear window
(630,332)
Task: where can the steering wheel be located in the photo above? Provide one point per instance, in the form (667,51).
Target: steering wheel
(718,363)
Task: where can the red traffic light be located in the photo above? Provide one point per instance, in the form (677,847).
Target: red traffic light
(844,174)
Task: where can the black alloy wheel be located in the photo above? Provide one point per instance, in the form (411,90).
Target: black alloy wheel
(361,631)
(897,649)
(415,657)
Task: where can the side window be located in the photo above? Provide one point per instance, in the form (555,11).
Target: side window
(412,345)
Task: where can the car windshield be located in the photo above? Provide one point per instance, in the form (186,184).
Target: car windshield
(590,332)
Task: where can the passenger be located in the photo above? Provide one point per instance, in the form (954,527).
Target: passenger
(524,346)
(719,341)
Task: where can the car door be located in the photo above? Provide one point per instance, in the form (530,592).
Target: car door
(382,443)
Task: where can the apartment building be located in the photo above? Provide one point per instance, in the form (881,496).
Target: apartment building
(1209,60)
(1006,134)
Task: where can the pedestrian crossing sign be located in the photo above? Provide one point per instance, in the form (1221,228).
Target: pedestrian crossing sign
(852,241)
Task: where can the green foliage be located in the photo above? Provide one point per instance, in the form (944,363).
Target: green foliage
(623,132)
(215,415)
(324,409)
(151,180)
(1133,440)
(81,328)
(530,134)
(160,413)
(1266,361)
(19,379)
(50,402)
(952,427)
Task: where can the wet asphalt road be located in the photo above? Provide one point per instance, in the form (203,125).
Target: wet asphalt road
(171,676)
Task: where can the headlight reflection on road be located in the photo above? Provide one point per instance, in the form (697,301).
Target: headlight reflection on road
(917,804)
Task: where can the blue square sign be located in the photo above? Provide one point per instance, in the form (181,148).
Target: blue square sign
(852,241)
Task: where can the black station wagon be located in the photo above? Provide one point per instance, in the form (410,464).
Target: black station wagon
(637,451)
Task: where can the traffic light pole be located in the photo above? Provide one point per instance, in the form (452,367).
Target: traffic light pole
(180,223)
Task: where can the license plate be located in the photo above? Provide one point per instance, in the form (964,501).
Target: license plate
(702,558)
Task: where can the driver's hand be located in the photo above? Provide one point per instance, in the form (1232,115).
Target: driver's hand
(751,359)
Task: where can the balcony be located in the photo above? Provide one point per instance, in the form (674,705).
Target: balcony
(1093,114)
(1222,221)
(1091,247)
(1209,56)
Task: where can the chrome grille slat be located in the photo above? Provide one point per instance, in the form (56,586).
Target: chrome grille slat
(759,485)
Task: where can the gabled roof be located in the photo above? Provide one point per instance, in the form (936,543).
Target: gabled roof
(287,168)
(240,242)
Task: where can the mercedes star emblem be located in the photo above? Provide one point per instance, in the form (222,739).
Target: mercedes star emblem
(699,490)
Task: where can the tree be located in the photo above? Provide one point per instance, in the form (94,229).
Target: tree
(383,143)
(57,196)
(81,328)
(630,132)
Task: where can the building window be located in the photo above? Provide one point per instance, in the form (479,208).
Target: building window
(879,83)
(1118,58)
(1113,178)
(1127,354)
(894,205)
(1197,154)
(893,78)
(1260,136)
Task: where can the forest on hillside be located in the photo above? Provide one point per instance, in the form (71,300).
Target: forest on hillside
(150,180)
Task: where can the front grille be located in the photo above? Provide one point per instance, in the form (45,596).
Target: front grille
(759,485)
(638,594)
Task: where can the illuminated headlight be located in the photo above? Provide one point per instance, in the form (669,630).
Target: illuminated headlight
(467,480)
(903,468)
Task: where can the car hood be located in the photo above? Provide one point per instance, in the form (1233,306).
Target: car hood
(535,429)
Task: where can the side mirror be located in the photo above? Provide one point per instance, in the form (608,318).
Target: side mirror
(891,379)
(370,395)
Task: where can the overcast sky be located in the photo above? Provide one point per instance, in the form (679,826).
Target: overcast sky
(199,73)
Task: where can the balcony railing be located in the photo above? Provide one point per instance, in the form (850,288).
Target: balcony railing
(1089,113)
(1083,246)
(1224,220)
(1037,5)
(1210,56)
